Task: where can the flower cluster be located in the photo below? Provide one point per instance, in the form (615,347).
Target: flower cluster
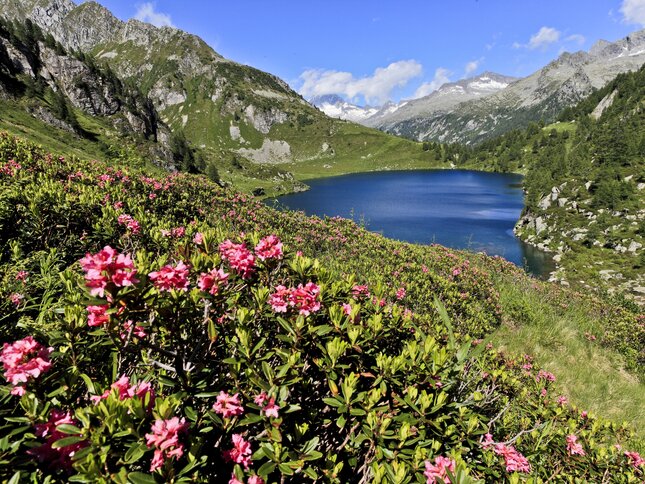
(165,438)
(56,457)
(227,405)
(97,315)
(269,247)
(635,459)
(439,469)
(270,409)
(240,453)
(513,460)
(239,257)
(130,223)
(171,277)
(126,390)
(212,281)
(105,267)
(24,360)
(573,446)
(10,168)
(303,298)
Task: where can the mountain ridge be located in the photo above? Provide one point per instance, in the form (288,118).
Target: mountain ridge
(542,95)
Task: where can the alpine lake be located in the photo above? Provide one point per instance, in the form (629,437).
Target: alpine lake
(461,209)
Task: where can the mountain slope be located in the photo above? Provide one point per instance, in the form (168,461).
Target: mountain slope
(542,95)
(245,120)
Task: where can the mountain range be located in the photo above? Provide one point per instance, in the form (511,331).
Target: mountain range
(487,105)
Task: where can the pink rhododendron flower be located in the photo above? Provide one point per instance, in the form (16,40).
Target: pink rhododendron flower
(347,309)
(635,459)
(16,298)
(198,238)
(400,293)
(138,331)
(125,391)
(488,441)
(255,480)
(56,458)
(240,453)
(97,315)
(107,267)
(165,438)
(513,460)
(439,469)
(573,447)
(305,298)
(545,375)
(23,361)
(279,300)
(227,405)
(261,398)
(239,257)
(562,400)
(360,290)
(178,232)
(211,282)
(269,248)
(271,409)
(22,276)
(130,223)
(171,277)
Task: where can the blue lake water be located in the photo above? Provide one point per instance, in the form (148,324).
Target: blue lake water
(461,209)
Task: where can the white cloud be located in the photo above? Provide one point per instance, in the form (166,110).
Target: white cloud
(633,11)
(441,76)
(471,67)
(375,88)
(577,38)
(541,39)
(544,37)
(146,13)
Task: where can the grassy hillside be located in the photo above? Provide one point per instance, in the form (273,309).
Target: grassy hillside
(383,383)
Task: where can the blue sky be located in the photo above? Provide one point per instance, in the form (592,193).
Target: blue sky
(373,50)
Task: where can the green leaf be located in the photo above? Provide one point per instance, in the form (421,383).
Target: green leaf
(266,468)
(285,469)
(141,478)
(69,429)
(251,419)
(135,452)
(66,441)
(333,402)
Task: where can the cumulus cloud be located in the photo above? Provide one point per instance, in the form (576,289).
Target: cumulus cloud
(472,66)
(544,37)
(146,13)
(577,38)
(441,76)
(374,89)
(633,11)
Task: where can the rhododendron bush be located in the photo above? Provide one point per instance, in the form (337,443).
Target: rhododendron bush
(202,346)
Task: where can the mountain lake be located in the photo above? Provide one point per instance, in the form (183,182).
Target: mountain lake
(461,209)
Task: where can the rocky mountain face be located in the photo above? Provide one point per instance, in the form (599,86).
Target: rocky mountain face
(32,67)
(223,107)
(542,95)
